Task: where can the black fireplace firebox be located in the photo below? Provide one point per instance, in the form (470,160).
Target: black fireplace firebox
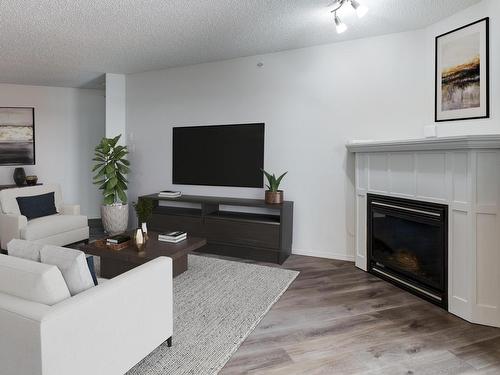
(408,245)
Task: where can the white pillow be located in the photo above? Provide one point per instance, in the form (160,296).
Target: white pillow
(32,281)
(24,249)
(72,264)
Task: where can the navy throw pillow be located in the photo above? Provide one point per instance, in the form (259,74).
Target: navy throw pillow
(90,264)
(37,205)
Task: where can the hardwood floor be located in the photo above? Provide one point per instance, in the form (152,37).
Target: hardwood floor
(337,319)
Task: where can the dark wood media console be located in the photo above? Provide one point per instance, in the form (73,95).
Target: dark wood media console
(259,236)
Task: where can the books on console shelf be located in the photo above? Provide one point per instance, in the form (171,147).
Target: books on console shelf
(173,237)
(169,194)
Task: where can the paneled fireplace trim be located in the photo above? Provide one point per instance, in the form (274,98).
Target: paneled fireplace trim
(462,173)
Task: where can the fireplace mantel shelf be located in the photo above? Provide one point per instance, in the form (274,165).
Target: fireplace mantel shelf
(427,144)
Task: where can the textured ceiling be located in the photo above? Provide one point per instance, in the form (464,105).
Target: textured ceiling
(71,43)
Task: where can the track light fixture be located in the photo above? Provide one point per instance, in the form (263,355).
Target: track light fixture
(361,11)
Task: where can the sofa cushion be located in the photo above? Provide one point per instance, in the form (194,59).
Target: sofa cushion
(72,264)
(47,226)
(24,249)
(91,265)
(37,205)
(32,281)
(8,197)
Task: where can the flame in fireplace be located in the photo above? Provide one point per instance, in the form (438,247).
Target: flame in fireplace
(407,260)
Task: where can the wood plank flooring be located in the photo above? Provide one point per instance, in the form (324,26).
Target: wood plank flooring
(337,319)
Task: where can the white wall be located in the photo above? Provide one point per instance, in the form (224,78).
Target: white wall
(68,125)
(312,100)
(115,106)
(486,8)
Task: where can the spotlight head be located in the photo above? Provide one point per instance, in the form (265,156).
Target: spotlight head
(341,27)
(361,10)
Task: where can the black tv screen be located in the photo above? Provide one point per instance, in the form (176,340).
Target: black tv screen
(222,155)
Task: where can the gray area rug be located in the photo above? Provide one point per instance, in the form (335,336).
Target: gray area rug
(217,303)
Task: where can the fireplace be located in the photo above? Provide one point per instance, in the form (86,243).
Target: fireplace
(407,245)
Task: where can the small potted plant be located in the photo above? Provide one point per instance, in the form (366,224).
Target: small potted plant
(273,194)
(111,168)
(144,211)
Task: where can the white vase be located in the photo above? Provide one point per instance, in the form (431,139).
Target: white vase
(115,218)
(139,238)
(144,228)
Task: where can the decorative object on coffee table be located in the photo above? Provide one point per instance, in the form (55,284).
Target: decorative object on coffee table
(144,211)
(19,176)
(31,180)
(111,169)
(139,237)
(114,263)
(111,246)
(273,194)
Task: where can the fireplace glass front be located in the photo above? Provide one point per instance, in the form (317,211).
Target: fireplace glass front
(407,244)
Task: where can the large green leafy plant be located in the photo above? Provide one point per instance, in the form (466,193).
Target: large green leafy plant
(111,168)
(273,181)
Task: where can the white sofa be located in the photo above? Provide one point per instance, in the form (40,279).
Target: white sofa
(65,228)
(104,330)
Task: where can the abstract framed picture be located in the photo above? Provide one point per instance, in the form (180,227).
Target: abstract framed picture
(462,73)
(17,135)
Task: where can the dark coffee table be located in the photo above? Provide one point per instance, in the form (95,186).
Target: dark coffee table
(116,262)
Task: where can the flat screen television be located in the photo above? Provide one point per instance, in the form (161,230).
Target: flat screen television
(221,155)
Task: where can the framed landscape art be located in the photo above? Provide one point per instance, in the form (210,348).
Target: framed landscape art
(462,73)
(17,136)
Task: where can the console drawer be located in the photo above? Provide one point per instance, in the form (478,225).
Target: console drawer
(243,233)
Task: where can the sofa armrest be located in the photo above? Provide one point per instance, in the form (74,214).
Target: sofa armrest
(126,318)
(70,209)
(20,350)
(10,227)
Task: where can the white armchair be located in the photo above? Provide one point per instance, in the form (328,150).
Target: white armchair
(64,228)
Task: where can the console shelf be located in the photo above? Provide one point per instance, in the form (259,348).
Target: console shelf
(259,236)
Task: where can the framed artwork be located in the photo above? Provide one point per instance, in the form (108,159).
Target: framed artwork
(17,135)
(462,73)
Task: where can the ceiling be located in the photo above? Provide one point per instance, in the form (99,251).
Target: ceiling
(72,43)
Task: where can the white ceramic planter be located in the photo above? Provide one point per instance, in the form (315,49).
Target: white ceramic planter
(115,218)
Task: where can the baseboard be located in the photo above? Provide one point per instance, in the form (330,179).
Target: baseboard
(324,254)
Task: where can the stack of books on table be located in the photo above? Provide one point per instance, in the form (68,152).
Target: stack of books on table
(118,239)
(172,237)
(169,194)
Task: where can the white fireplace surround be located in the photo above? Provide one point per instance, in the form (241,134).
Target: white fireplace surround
(461,172)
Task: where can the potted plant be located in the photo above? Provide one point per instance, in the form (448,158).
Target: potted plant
(110,169)
(273,194)
(143,210)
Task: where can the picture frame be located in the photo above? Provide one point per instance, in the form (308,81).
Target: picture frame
(462,82)
(17,136)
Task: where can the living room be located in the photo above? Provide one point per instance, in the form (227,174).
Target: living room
(376,252)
